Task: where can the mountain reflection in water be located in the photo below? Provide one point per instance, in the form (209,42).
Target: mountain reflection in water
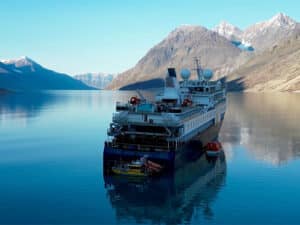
(170,199)
(267,125)
(26,105)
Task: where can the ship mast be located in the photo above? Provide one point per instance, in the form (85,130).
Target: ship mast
(141,95)
(198,69)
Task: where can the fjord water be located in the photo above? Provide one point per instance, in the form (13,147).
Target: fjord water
(51,165)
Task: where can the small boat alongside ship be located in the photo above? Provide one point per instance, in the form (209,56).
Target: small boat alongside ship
(185,111)
(142,167)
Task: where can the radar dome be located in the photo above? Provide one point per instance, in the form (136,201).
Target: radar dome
(185,74)
(207,74)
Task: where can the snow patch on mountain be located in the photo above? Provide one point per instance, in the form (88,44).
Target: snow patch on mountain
(25,74)
(228,30)
(261,35)
(268,33)
(19,62)
(281,20)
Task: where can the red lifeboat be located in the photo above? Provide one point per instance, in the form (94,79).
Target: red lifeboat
(213,148)
(134,100)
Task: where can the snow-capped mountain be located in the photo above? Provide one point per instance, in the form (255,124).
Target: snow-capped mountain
(262,35)
(22,64)
(266,34)
(25,74)
(229,31)
(97,80)
(281,19)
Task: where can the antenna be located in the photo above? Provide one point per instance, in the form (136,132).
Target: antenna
(141,95)
(198,68)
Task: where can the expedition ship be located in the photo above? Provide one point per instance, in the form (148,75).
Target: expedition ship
(189,111)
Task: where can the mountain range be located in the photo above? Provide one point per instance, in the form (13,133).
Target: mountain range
(97,80)
(26,74)
(261,35)
(276,69)
(262,57)
(224,49)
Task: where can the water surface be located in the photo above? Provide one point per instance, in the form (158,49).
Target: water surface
(51,169)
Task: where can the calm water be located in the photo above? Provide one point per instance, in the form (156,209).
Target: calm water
(51,165)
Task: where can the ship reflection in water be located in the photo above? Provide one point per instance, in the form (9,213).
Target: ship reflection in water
(170,198)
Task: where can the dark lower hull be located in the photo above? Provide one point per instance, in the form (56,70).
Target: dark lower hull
(169,159)
(169,198)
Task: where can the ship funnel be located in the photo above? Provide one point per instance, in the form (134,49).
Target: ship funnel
(171,80)
(171,90)
(172,72)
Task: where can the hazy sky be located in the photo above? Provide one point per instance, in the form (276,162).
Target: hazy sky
(111,36)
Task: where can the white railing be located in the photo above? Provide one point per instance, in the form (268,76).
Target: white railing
(164,119)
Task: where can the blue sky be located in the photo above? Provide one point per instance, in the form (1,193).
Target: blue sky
(111,36)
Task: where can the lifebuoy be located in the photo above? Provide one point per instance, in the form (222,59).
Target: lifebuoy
(134,100)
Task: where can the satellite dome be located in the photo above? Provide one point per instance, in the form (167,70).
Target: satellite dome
(185,74)
(207,74)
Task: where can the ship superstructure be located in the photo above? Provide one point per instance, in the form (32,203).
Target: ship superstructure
(184,111)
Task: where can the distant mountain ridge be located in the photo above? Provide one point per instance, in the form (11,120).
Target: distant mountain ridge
(26,74)
(97,80)
(178,50)
(262,35)
(266,34)
(223,49)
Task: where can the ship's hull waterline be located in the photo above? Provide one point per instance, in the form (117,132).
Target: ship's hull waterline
(169,159)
